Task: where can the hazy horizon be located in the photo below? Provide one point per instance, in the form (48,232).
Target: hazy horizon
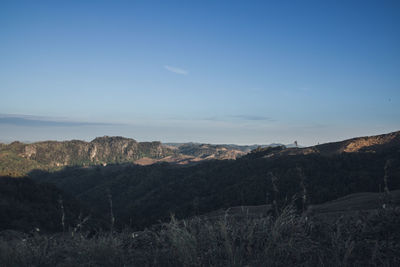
(56,128)
(237,72)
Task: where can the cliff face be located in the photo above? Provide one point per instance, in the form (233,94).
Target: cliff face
(101,150)
(18,158)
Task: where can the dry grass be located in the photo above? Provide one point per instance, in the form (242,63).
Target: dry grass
(288,239)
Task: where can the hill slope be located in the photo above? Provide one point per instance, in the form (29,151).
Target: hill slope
(366,144)
(28,207)
(143,195)
(17,159)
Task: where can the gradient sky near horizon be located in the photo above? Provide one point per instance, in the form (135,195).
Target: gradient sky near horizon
(239,72)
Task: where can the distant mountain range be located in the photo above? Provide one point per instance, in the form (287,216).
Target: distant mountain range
(92,173)
(243,148)
(17,159)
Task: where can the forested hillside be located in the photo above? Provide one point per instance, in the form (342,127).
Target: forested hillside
(142,195)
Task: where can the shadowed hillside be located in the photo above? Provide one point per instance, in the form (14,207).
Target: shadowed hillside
(142,195)
(29,207)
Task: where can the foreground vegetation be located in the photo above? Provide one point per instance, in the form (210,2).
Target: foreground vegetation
(287,239)
(143,195)
(76,216)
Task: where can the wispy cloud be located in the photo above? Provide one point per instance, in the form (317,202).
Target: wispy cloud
(251,117)
(226,118)
(176,70)
(34,121)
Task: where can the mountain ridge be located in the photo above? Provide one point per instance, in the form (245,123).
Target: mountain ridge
(18,159)
(143,195)
(368,144)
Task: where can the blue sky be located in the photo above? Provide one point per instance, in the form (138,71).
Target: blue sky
(208,71)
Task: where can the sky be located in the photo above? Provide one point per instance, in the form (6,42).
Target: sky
(243,72)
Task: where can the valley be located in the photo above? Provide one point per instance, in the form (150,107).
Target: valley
(126,195)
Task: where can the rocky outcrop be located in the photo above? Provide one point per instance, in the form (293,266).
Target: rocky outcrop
(100,150)
(365,143)
(18,158)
